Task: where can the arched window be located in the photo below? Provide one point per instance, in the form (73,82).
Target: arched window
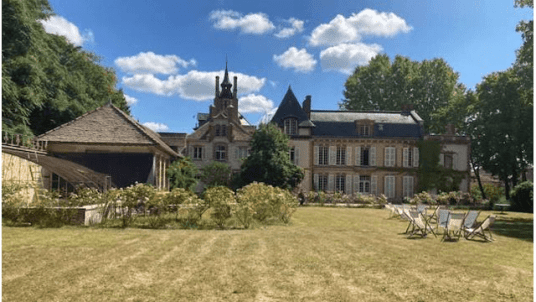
(291,126)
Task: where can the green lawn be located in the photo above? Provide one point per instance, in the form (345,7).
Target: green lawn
(325,254)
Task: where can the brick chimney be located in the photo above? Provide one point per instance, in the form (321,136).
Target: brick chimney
(307,106)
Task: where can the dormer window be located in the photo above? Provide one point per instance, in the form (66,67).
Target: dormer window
(364,127)
(291,126)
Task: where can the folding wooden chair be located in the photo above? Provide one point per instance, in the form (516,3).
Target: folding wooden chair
(434,215)
(469,221)
(420,226)
(480,230)
(454,226)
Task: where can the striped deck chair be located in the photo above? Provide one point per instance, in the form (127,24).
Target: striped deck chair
(454,226)
(480,230)
(470,221)
(420,226)
(433,217)
(421,208)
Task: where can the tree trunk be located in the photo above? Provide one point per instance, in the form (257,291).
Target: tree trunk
(477,174)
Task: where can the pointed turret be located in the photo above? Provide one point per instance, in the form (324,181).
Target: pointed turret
(226,85)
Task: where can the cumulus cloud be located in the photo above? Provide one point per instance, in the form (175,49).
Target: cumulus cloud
(351,29)
(296,27)
(131,100)
(257,23)
(156,127)
(267,117)
(299,60)
(345,57)
(58,25)
(195,85)
(253,103)
(149,62)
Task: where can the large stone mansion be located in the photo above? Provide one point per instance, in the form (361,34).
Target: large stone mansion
(372,152)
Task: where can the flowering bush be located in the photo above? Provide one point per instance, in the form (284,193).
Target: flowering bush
(85,196)
(422,198)
(221,200)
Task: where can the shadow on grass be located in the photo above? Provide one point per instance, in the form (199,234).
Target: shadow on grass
(520,228)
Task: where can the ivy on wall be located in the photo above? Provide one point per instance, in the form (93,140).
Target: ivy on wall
(431,174)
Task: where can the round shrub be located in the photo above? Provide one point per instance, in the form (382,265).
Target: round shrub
(220,200)
(522,197)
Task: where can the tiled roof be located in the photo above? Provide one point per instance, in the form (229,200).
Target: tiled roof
(386,124)
(105,125)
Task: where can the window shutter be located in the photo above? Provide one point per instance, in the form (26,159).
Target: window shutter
(374,185)
(348,156)
(332,155)
(356,184)
(316,155)
(191,152)
(358,156)
(455,162)
(405,157)
(331,182)
(387,152)
(236,153)
(372,156)
(296,156)
(393,157)
(315,181)
(405,181)
(416,157)
(442,160)
(348,184)
(386,186)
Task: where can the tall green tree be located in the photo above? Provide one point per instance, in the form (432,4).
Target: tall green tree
(269,161)
(182,173)
(381,85)
(216,174)
(503,128)
(46,81)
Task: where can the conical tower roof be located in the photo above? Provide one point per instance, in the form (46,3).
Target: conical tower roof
(289,107)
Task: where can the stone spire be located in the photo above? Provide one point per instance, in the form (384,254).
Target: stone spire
(226,85)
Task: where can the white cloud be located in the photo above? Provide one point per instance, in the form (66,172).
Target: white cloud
(299,60)
(345,57)
(257,23)
(131,100)
(296,28)
(267,117)
(58,25)
(156,127)
(255,103)
(351,29)
(149,62)
(195,85)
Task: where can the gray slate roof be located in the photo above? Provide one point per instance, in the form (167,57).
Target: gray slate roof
(386,124)
(289,107)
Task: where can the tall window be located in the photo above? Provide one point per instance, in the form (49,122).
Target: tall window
(389,189)
(217,130)
(223,130)
(390,153)
(198,153)
(364,184)
(220,153)
(291,126)
(408,186)
(340,180)
(243,152)
(448,161)
(341,155)
(365,156)
(364,130)
(323,182)
(323,155)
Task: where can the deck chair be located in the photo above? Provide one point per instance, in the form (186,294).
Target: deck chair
(470,221)
(454,226)
(421,208)
(407,216)
(442,219)
(480,230)
(433,217)
(392,210)
(420,226)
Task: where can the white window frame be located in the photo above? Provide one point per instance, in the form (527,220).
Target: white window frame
(365,184)
(220,153)
(290,126)
(408,186)
(341,156)
(340,183)
(197,153)
(322,182)
(390,156)
(323,155)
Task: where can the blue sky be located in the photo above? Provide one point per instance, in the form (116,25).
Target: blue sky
(167,53)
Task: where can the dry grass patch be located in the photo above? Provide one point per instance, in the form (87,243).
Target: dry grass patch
(326,254)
